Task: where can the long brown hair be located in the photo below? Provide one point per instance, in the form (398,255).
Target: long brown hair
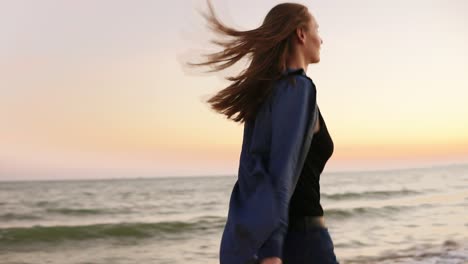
(267,47)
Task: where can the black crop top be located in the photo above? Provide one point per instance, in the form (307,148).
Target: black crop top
(305,200)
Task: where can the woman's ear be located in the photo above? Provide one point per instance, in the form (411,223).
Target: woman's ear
(301,35)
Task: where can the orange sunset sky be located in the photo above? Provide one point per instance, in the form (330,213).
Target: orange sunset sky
(97,89)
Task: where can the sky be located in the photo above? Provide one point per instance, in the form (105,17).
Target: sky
(99,89)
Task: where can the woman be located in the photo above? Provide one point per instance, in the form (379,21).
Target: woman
(274,213)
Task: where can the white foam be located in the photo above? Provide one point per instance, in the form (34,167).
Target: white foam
(450,252)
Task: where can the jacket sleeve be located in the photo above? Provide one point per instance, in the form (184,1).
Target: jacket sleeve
(291,110)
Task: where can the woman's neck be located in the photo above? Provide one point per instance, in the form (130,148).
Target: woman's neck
(297,61)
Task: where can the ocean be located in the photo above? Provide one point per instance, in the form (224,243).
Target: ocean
(396,216)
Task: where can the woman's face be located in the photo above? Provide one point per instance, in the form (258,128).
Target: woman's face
(313,41)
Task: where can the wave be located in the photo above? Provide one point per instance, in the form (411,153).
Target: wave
(15,216)
(162,230)
(63,211)
(34,234)
(369,194)
(384,211)
(449,251)
(86,211)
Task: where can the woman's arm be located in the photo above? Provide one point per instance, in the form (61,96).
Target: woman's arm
(291,111)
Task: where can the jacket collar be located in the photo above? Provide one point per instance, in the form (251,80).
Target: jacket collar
(290,71)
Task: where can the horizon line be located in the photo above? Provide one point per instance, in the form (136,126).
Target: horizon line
(453,164)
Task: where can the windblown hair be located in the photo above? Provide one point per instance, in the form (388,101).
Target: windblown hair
(267,49)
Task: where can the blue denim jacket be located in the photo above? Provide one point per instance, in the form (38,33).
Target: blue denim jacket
(274,148)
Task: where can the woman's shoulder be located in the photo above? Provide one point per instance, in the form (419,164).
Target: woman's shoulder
(295,82)
(295,77)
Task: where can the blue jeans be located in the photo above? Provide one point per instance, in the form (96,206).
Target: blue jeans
(310,246)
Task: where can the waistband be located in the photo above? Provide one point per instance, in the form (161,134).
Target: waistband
(306,222)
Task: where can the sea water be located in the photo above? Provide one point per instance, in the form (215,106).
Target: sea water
(394,216)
